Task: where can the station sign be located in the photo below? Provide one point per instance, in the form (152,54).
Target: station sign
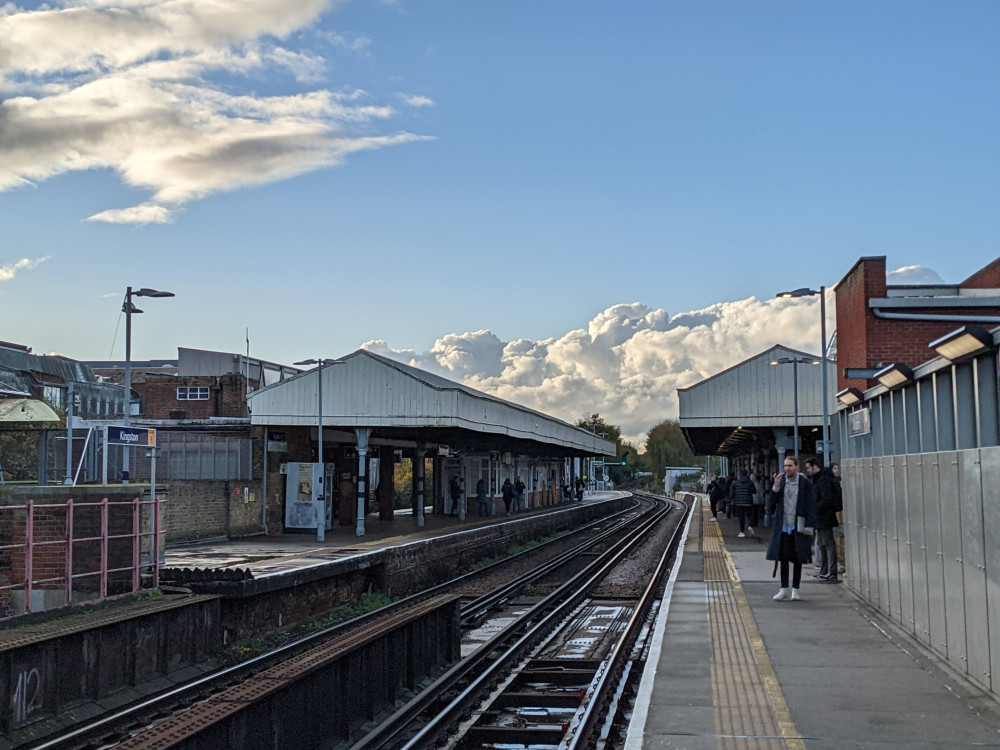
(858,423)
(143,436)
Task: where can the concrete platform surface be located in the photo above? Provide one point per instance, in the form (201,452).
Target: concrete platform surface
(735,669)
(273,555)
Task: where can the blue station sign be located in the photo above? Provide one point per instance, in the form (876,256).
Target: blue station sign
(131,436)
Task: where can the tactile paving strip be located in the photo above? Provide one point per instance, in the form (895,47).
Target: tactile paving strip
(750,711)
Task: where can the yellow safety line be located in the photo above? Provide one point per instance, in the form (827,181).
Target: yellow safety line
(775,696)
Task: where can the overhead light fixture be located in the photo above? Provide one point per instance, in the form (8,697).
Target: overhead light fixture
(963,342)
(894,375)
(850,396)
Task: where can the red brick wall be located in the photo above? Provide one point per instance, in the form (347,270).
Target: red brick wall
(227,397)
(865,280)
(865,341)
(985,278)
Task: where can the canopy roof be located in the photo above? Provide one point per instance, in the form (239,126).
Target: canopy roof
(402,402)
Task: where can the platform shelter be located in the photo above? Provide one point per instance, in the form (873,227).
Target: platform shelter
(747,413)
(375,412)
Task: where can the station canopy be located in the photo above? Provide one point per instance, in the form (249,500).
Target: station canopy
(405,405)
(749,401)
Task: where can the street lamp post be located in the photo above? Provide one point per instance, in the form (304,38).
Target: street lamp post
(128,307)
(806,292)
(320,363)
(795,362)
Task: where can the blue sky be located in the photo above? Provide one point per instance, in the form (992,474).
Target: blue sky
(417,169)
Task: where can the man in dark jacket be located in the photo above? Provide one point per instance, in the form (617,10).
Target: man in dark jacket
(741,495)
(828,503)
(793,503)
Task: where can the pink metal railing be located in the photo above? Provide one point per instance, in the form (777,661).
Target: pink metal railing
(19,560)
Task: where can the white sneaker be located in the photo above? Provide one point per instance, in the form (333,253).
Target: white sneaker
(795,595)
(749,530)
(781,596)
(741,535)
(713,519)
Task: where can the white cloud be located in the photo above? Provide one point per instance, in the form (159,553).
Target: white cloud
(147,213)
(10,270)
(627,363)
(914,275)
(416,100)
(126,86)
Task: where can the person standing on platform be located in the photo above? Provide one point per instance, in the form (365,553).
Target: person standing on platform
(508,495)
(579,490)
(456,494)
(793,501)
(481,497)
(716,490)
(742,493)
(828,502)
(518,495)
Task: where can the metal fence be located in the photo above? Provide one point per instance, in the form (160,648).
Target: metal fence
(77,552)
(26,454)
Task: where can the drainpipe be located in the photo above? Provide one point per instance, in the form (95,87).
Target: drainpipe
(931,317)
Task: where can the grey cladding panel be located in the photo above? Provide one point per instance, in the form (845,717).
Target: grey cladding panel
(974,566)
(950,507)
(918,552)
(935,561)
(990,458)
(903,545)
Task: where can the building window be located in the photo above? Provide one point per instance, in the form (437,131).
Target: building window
(192,393)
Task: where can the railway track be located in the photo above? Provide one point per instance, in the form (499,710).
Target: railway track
(554,678)
(121,727)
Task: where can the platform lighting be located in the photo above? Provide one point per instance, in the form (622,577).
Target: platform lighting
(850,396)
(807,292)
(894,375)
(962,342)
(128,307)
(795,362)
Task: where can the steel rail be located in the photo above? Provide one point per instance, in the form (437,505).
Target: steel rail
(542,617)
(478,606)
(583,724)
(111,724)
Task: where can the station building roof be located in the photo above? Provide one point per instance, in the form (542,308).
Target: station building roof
(754,395)
(404,403)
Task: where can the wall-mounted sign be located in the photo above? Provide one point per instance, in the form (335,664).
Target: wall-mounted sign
(131,436)
(857,423)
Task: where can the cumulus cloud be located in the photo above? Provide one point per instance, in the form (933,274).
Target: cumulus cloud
(10,270)
(127,85)
(906,275)
(626,363)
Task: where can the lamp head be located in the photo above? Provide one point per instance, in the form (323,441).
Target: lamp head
(803,292)
(144,292)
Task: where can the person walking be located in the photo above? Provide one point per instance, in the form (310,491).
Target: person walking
(828,502)
(507,491)
(793,501)
(741,493)
(579,490)
(481,497)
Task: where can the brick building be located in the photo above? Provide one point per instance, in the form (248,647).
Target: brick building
(879,324)
(210,456)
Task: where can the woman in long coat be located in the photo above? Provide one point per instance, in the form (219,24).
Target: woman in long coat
(794,514)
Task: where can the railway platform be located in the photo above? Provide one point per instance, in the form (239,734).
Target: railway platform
(734,669)
(288,553)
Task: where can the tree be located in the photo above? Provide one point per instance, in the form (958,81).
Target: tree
(596,424)
(666,446)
